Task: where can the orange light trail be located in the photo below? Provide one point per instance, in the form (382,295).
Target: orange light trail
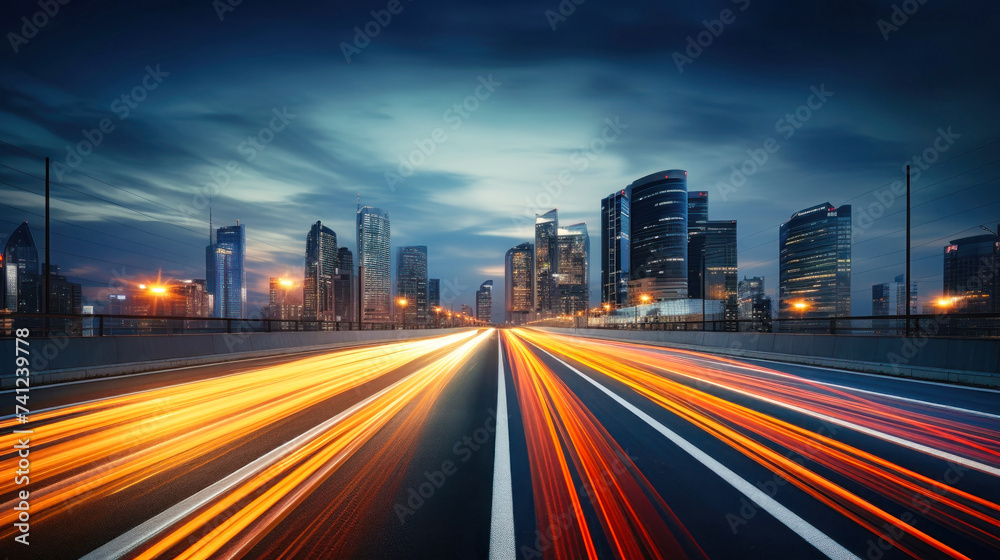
(564,438)
(93,450)
(745,429)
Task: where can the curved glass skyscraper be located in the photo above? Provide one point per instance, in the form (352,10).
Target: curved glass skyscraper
(518,281)
(659,236)
(21,280)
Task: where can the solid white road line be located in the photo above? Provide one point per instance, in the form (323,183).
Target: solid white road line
(800,526)
(502,546)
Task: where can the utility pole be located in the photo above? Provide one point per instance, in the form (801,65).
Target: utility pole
(45,283)
(908,284)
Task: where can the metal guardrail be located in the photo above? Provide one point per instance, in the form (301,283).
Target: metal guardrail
(47,325)
(965,325)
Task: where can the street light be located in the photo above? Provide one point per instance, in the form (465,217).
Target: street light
(644,299)
(437,316)
(402,303)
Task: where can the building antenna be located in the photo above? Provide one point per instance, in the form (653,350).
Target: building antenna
(359,202)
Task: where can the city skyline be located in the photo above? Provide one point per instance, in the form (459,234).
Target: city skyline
(780,143)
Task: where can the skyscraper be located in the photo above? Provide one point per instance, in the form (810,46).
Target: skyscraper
(484,302)
(344,286)
(815,263)
(720,264)
(615,246)
(573,277)
(546,261)
(658,261)
(226,272)
(375,280)
(285,299)
(971,265)
(697,226)
(411,282)
(518,283)
(322,261)
(189,298)
(433,293)
(22,290)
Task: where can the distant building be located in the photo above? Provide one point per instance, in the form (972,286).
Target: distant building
(518,281)
(467,310)
(345,287)
(971,265)
(411,282)
(375,279)
(890,298)
(615,247)
(546,262)
(226,272)
(22,290)
(754,304)
(815,263)
(433,293)
(484,302)
(719,257)
(284,300)
(189,298)
(697,227)
(573,270)
(658,261)
(322,262)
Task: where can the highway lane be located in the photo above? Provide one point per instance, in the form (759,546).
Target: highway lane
(301,456)
(588,449)
(752,462)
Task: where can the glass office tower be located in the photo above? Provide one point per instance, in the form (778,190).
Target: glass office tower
(573,276)
(546,262)
(970,271)
(226,272)
(484,302)
(518,283)
(22,282)
(375,280)
(815,263)
(697,220)
(322,260)
(658,261)
(411,283)
(615,247)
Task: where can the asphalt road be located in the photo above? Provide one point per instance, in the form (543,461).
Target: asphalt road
(587,449)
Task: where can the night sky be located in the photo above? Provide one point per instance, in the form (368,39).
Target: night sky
(598,93)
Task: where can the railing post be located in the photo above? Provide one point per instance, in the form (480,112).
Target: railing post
(833,326)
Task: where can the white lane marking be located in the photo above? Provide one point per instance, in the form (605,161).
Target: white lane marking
(829,547)
(135,537)
(502,545)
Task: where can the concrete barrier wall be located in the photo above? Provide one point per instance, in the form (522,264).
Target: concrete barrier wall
(69,359)
(965,361)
